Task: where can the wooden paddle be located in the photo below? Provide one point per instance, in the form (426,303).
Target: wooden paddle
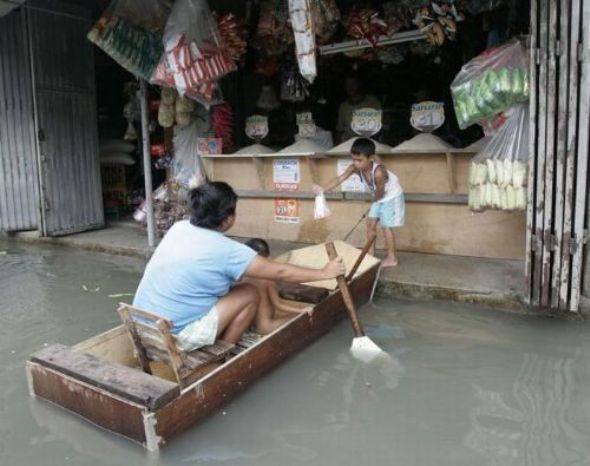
(370,240)
(362,347)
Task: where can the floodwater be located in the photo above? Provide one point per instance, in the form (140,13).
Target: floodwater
(463,386)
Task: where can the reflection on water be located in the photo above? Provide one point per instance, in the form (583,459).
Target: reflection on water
(462,386)
(531,431)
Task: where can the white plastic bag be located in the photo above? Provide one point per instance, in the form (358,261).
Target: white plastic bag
(321,209)
(500,168)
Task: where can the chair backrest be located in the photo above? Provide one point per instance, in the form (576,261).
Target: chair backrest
(153,340)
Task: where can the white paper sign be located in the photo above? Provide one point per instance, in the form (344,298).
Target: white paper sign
(286,175)
(428,116)
(366,121)
(304,117)
(352,184)
(257,127)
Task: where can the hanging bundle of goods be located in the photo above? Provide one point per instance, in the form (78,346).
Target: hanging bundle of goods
(273,35)
(438,21)
(498,174)
(326,18)
(365,23)
(294,88)
(194,55)
(130,32)
(223,124)
(233,34)
(491,83)
(302,23)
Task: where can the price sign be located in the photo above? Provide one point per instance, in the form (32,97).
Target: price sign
(307,130)
(304,118)
(257,127)
(366,121)
(427,116)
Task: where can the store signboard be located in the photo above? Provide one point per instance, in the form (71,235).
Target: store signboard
(286,211)
(352,184)
(286,174)
(257,127)
(307,127)
(427,116)
(366,121)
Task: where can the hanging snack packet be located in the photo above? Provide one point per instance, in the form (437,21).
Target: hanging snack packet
(491,83)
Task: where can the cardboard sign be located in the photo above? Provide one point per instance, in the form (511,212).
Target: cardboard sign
(352,184)
(366,122)
(286,211)
(257,127)
(209,146)
(285,174)
(427,116)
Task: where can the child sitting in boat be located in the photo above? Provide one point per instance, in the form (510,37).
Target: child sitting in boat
(273,311)
(192,277)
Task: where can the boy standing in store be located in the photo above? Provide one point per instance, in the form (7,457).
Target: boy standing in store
(388,206)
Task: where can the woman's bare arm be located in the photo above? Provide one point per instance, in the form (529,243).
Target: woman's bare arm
(263,268)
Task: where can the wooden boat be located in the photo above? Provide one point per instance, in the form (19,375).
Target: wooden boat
(101,380)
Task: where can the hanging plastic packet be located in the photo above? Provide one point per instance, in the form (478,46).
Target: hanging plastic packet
(491,83)
(498,173)
(320,209)
(130,32)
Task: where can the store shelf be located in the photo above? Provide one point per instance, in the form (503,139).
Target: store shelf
(429,198)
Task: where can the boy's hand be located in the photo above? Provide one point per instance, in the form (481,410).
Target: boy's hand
(317,189)
(335,268)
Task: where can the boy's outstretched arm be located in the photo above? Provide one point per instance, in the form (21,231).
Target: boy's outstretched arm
(317,189)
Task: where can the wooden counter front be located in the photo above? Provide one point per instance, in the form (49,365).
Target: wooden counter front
(437,217)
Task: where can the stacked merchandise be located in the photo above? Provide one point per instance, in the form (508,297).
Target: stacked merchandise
(114,155)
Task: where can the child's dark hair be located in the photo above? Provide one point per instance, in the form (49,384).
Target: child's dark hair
(363,146)
(211,204)
(259,245)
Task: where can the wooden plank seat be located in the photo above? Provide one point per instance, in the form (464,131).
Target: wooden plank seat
(153,341)
(123,381)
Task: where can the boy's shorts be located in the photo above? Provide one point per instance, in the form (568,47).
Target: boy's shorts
(199,333)
(391,213)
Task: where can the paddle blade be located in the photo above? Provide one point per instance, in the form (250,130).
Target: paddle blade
(365,350)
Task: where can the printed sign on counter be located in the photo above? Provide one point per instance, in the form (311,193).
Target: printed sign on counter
(257,127)
(428,116)
(209,146)
(366,122)
(285,174)
(287,211)
(352,184)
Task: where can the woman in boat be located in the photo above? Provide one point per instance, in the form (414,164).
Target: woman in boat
(272,310)
(191,279)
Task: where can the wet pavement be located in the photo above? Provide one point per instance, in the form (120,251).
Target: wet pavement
(463,385)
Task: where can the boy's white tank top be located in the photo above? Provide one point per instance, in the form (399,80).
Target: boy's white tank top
(392,186)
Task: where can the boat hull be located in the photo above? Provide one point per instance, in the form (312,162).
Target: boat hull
(152,426)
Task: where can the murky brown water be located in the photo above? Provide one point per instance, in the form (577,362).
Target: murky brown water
(465,386)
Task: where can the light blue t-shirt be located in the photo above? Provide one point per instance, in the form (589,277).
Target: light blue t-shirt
(189,271)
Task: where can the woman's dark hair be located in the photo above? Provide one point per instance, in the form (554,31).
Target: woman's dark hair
(259,245)
(363,146)
(212,203)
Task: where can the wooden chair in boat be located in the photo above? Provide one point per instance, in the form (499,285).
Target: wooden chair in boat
(153,341)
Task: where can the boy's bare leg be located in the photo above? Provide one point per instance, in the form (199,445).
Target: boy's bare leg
(372,229)
(236,311)
(391,259)
(266,321)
